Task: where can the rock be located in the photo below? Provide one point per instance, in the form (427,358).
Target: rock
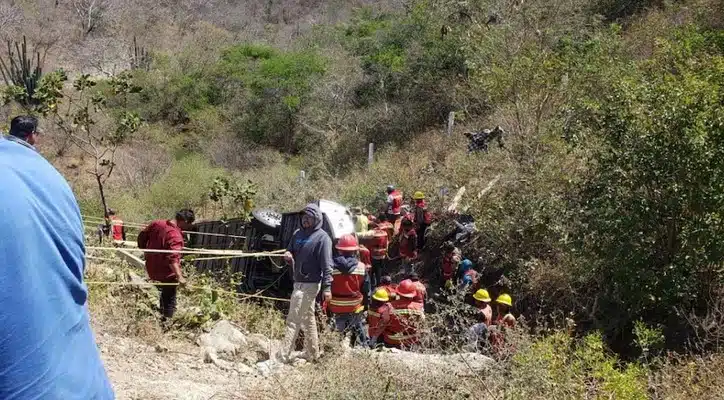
(262,346)
(416,362)
(245,370)
(266,368)
(224,339)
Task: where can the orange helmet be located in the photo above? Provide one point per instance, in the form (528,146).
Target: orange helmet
(407,289)
(347,243)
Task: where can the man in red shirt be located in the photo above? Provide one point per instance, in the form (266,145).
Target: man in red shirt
(166,267)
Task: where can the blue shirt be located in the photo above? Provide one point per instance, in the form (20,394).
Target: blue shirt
(47,348)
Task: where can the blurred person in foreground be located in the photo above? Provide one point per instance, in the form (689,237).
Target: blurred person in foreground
(47,349)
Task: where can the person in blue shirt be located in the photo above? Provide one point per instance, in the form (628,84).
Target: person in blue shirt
(47,348)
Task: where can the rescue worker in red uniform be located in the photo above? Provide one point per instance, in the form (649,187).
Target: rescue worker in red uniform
(421,294)
(408,245)
(349,283)
(118,230)
(450,260)
(379,315)
(422,218)
(378,250)
(390,288)
(404,328)
(394,203)
(504,320)
(384,225)
(365,257)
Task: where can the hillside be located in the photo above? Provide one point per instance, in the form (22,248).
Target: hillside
(600,203)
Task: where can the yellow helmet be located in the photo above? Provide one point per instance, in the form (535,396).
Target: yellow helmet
(505,299)
(418,196)
(381,295)
(482,295)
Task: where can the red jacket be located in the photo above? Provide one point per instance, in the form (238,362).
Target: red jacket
(388,228)
(408,244)
(365,257)
(404,322)
(378,245)
(450,264)
(117,228)
(420,213)
(161,235)
(378,319)
(394,202)
(347,290)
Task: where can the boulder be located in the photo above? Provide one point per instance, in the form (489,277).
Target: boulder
(223,341)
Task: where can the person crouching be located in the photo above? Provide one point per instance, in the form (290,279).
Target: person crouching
(349,282)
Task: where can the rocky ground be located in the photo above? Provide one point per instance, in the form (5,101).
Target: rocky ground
(227,363)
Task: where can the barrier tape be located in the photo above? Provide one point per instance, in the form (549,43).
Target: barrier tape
(236,254)
(97,220)
(241,296)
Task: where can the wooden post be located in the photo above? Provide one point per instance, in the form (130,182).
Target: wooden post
(370,155)
(302,176)
(450,122)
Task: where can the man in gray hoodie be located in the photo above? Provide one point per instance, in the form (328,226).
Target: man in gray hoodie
(309,253)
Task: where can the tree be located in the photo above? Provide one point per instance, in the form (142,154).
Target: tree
(83,110)
(652,204)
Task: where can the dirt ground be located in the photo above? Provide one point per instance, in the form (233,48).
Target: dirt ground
(175,370)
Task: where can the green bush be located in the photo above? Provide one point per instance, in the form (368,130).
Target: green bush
(651,205)
(559,367)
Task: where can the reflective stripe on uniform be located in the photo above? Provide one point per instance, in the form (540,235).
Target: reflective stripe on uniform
(338,302)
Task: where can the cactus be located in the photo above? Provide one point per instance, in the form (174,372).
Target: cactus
(19,71)
(140,59)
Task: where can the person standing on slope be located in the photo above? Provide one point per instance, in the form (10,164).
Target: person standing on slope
(166,267)
(47,349)
(309,253)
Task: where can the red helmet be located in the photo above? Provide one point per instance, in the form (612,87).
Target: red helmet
(347,243)
(407,289)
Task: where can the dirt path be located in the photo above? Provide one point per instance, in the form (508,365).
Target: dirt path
(176,371)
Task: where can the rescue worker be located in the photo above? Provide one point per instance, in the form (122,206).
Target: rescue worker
(365,257)
(385,225)
(361,222)
(391,288)
(349,283)
(468,275)
(503,315)
(378,248)
(478,333)
(394,203)
(503,320)
(421,294)
(403,329)
(118,230)
(379,315)
(421,216)
(450,261)
(166,267)
(408,245)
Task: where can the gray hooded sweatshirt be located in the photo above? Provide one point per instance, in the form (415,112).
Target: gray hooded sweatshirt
(312,250)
